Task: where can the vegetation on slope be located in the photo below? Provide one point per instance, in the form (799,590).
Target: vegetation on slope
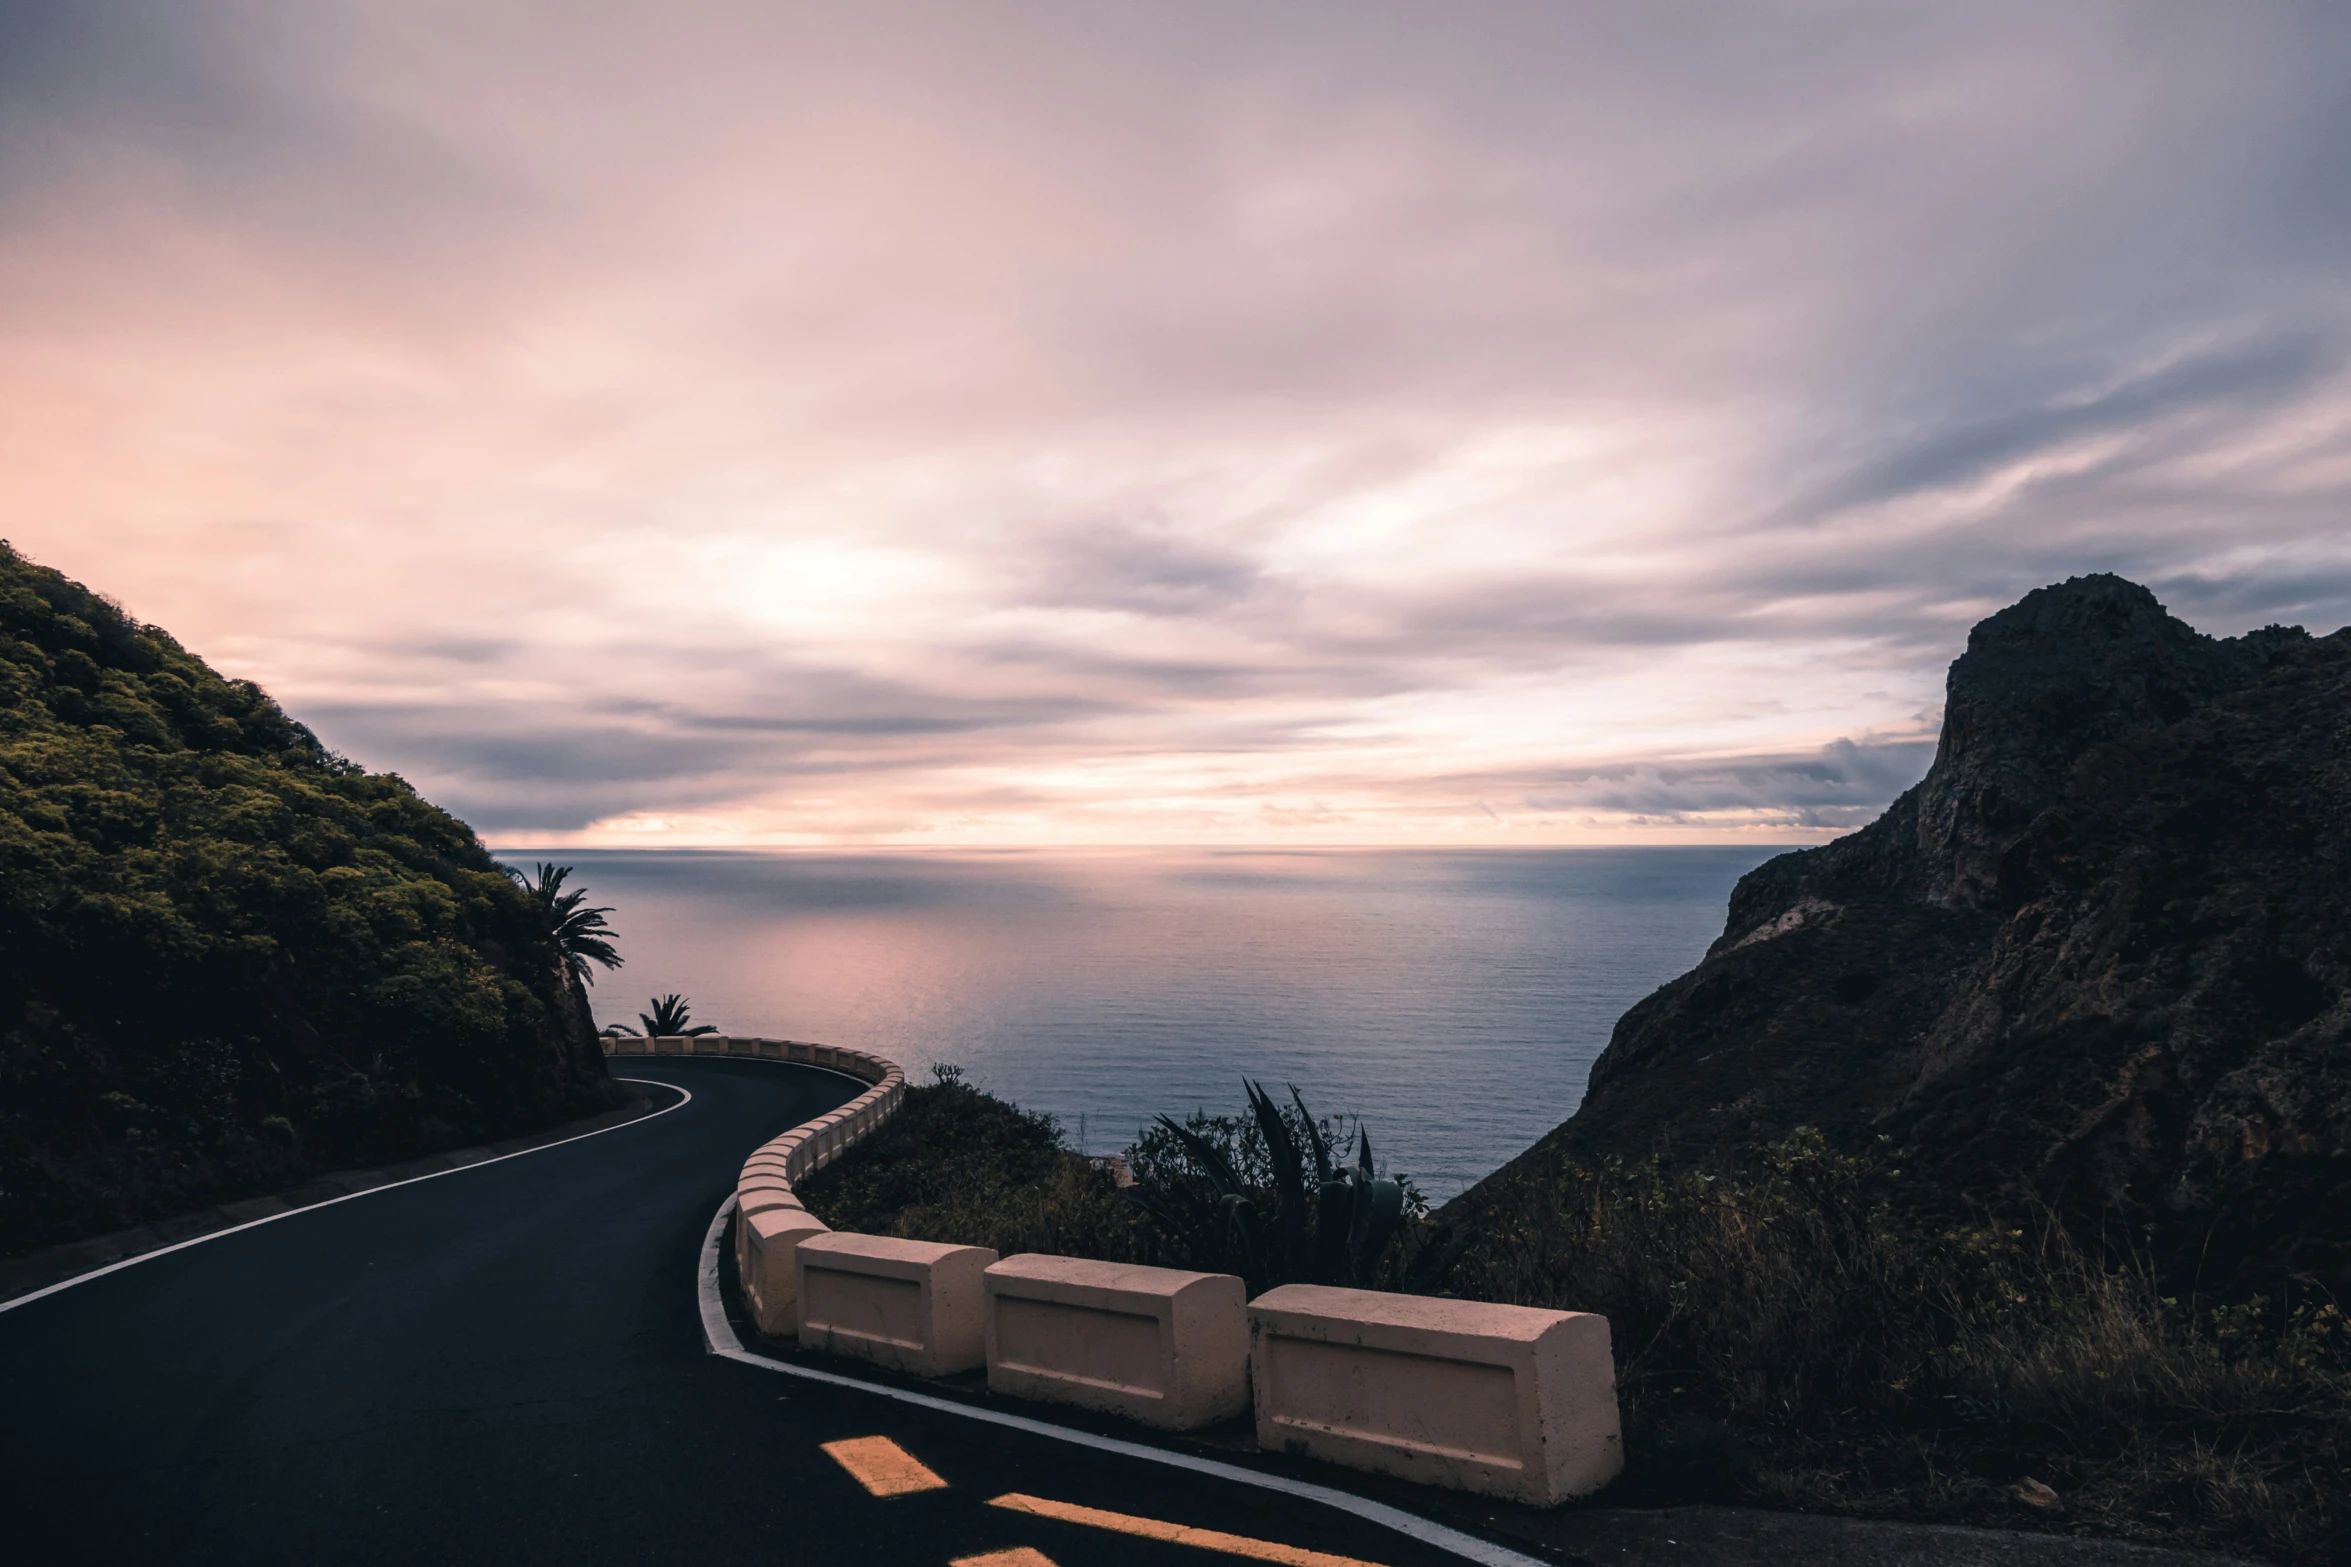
(1793,1328)
(228,957)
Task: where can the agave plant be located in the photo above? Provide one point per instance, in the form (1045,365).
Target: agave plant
(1335,1234)
(579,932)
(668,1018)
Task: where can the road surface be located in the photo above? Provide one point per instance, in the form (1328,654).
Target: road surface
(504,1365)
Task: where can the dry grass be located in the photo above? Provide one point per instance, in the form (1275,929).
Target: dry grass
(1786,1335)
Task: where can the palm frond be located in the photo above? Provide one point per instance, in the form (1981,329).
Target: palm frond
(578,929)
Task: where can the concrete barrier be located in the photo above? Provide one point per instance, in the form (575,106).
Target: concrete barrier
(1505,1400)
(1167,1348)
(767,1244)
(912,1306)
(761,1195)
(1502,1400)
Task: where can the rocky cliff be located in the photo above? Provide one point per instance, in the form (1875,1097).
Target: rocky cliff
(2098,959)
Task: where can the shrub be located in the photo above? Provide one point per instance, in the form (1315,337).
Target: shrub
(960,1165)
(1272,1196)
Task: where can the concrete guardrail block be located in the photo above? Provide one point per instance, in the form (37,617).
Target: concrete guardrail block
(1503,1400)
(1158,1345)
(766,1247)
(912,1306)
(758,1194)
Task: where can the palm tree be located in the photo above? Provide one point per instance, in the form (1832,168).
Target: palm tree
(579,933)
(669,1017)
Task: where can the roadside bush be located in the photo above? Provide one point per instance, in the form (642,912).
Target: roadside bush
(1276,1196)
(960,1165)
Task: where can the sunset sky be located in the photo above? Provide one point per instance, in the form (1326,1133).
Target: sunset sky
(1164,423)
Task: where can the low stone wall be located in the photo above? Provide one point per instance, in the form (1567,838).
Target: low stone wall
(1505,1400)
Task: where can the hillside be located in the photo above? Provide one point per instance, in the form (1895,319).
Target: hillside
(2096,960)
(228,957)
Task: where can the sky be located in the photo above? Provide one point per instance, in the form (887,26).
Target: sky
(1106,423)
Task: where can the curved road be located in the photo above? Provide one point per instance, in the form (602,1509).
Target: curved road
(504,1364)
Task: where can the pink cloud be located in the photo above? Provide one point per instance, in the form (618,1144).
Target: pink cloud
(1032,423)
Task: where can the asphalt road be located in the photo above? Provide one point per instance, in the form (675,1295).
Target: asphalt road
(504,1365)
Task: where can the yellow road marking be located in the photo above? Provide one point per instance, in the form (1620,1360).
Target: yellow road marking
(882,1466)
(1018,1556)
(1153,1529)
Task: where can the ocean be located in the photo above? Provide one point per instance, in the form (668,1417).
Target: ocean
(1454,1000)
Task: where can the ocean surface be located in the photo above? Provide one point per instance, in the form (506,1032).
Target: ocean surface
(1452,999)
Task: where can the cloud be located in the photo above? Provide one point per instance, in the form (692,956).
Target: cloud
(1844,785)
(2239,378)
(1144,571)
(1050,422)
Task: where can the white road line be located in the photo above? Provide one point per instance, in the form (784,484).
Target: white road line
(162,1251)
(718,1336)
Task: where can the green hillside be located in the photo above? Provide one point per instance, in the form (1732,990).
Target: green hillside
(228,957)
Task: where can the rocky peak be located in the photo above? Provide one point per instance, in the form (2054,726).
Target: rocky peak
(2100,957)
(2067,667)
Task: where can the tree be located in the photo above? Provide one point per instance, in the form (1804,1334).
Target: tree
(578,932)
(668,1019)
